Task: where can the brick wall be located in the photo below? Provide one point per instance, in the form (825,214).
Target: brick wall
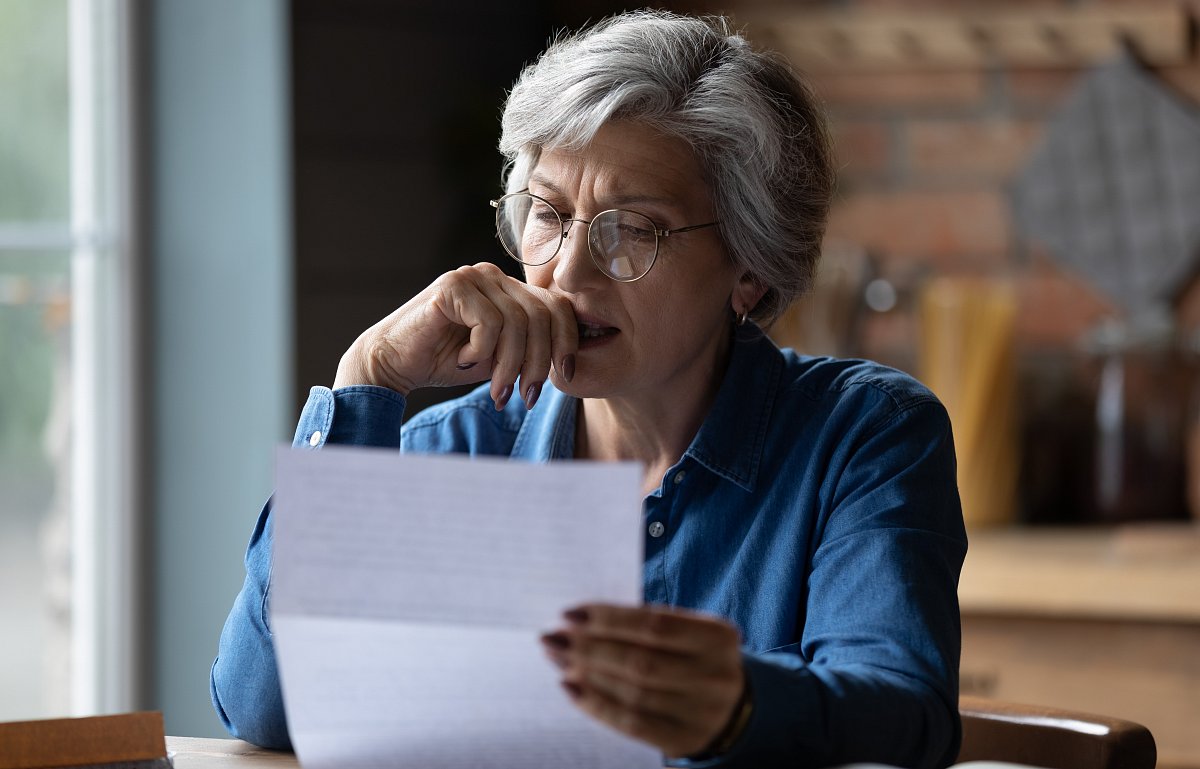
(926,160)
(926,163)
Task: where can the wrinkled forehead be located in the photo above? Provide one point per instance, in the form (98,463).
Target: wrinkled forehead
(624,162)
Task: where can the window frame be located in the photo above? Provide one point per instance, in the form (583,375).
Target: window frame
(108,640)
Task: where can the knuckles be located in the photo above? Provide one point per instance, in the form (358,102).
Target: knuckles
(486,269)
(540,312)
(539,315)
(472,273)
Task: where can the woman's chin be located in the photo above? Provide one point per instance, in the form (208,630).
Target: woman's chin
(581,386)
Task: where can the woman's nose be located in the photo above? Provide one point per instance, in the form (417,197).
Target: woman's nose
(573,266)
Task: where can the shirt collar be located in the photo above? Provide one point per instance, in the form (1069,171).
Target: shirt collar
(732,439)
(548,431)
(730,443)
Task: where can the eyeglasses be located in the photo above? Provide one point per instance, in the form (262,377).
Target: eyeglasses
(623,244)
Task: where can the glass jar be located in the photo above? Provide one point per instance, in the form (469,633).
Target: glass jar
(1143,380)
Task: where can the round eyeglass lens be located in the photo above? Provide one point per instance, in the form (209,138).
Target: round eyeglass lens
(623,244)
(528,228)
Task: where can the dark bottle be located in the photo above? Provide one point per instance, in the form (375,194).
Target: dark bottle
(1143,379)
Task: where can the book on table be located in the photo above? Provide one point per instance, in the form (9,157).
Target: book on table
(124,741)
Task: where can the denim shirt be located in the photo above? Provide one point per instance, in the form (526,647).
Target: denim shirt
(816,509)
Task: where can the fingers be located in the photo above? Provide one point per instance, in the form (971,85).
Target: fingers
(667,676)
(564,333)
(533,348)
(553,336)
(520,330)
(469,325)
(649,667)
(664,627)
(670,735)
(512,340)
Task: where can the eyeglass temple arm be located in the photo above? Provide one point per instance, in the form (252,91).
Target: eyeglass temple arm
(668,233)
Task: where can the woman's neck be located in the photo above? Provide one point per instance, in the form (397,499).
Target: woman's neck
(655,429)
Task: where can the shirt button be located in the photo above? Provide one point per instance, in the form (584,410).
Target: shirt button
(315,438)
(679,477)
(657,529)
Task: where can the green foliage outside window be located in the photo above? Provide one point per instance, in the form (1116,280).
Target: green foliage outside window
(34,102)
(34,190)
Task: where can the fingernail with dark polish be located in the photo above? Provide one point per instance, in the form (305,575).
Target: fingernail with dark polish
(575,690)
(578,616)
(532,394)
(568,367)
(557,640)
(505,394)
(465,366)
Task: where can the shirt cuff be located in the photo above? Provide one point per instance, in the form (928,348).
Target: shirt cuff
(360,415)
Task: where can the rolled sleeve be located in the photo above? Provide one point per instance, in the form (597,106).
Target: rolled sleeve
(243,681)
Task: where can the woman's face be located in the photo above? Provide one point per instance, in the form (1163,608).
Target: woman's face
(665,335)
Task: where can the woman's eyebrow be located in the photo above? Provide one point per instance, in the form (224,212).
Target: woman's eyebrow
(624,199)
(542,181)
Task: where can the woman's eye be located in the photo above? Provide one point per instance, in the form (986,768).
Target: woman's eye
(634,231)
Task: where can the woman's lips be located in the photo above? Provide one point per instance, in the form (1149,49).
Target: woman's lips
(593,334)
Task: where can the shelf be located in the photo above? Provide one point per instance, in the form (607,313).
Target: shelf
(1031,37)
(1145,573)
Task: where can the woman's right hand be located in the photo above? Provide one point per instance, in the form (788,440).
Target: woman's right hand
(468,325)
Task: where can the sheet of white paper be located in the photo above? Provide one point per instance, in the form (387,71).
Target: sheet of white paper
(407,594)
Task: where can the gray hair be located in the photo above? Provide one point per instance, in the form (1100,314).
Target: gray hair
(758,131)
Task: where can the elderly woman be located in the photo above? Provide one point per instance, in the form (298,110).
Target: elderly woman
(667,190)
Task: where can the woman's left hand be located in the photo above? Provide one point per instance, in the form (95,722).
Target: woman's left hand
(666,676)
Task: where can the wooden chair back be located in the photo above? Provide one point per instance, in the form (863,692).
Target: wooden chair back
(1051,737)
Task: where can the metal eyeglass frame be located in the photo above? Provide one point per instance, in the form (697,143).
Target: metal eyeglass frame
(566,226)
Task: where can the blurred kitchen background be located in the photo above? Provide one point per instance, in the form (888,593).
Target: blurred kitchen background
(202,203)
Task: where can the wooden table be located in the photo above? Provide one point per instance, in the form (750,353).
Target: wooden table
(1100,620)
(203,753)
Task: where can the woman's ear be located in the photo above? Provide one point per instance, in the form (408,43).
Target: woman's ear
(747,294)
